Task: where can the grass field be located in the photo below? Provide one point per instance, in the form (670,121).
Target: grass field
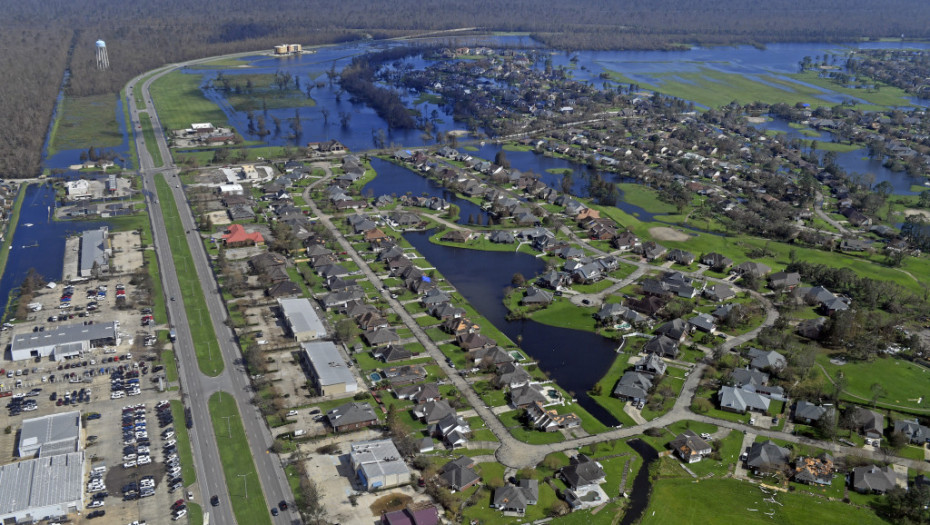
(209,358)
(150,142)
(712,89)
(245,489)
(84,122)
(182,437)
(11,227)
(903,382)
(179,102)
(727,501)
(646,198)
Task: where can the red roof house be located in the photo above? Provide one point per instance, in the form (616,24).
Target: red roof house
(237,236)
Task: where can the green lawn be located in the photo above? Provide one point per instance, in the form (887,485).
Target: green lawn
(727,501)
(179,101)
(151,143)
(646,198)
(84,122)
(564,314)
(903,382)
(245,489)
(171,366)
(209,358)
(185,454)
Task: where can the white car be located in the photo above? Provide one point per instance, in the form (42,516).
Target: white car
(96,503)
(169,435)
(705,435)
(129,457)
(147,483)
(170,443)
(144,460)
(175,471)
(129,464)
(118,394)
(179,514)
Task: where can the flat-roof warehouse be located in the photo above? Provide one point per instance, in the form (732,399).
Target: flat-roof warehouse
(64,341)
(327,368)
(50,435)
(40,488)
(302,319)
(95,252)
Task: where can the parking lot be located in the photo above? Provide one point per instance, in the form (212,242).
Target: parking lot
(125,448)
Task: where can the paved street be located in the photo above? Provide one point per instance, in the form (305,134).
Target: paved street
(198,387)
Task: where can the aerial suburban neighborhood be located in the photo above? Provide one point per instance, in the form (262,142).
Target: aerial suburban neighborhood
(581,297)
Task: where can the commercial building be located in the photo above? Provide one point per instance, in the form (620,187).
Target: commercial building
(95,252)
(64,341)
(302,319)
(378,464)
(327,369)
(40,488)
(50,435)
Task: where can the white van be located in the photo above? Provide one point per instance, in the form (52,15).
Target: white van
(299,432)
(292,413)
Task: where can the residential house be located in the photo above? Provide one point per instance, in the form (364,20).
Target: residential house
(432,412)
(391,353)
(511,375)
(755,269)
(868,423)
(913,431)
(651,250)
(452,429)
(459,474)
(515,498)
(422,515)
(748,376)
(784,281)
(582,472)
(633,386)
(808,413)
(814,471)
(675,329)
(651,364)
(873,479)
(419,394)
(767,457)
(380,336)
(283,289)
(525,395)
(690,447)
(236,237)
(742,399)
(351,416)
(550,420)
(662,346)
(404,375)
(536,296)
(501,237)
(493,356)
(703,322)
(719,293)
(472,341)
(680,256)
(761,360)
(625,241)
(716,261)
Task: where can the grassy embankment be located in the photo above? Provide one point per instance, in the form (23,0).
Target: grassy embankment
(209,358)
(150,142)
(11,227)
(245,489)
(84,122)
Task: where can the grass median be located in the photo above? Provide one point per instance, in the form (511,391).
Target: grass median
(150,142)
(209,357)
(184,444)
(245,489)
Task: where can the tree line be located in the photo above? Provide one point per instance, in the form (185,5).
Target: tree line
(36,36)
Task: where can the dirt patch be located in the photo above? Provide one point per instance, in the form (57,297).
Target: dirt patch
(390,503)
(662,233)
(911,211)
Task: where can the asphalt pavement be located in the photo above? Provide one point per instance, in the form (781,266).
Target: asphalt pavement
(197,387)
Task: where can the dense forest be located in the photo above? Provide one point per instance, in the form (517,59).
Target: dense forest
(36,36)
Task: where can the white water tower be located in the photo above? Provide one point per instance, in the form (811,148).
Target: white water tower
(102,61)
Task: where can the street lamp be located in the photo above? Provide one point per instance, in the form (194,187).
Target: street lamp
(245,483)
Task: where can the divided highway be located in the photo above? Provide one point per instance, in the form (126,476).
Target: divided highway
(198,387)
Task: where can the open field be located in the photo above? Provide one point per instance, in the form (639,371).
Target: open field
(727,501)
(150,143)
(644,197)
(903,382)
(245,489)
(209,358)
(711,88)
(84,122)
(179,102)
(664,233)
